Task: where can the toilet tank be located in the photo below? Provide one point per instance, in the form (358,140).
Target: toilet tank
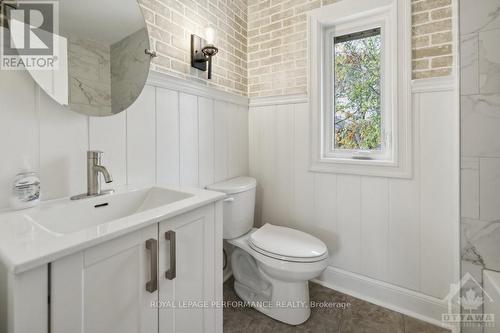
(239,205)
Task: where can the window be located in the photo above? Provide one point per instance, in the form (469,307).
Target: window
(357,119)
(357,125)
(360,88)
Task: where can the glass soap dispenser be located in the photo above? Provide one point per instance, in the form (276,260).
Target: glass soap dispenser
(25,188)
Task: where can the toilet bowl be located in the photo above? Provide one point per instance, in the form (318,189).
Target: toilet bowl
(274,283)
(272,264)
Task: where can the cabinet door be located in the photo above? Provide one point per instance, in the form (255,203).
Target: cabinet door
(187,273)
(103,289)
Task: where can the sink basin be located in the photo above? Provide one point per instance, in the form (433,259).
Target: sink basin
(65,216)
(58,228)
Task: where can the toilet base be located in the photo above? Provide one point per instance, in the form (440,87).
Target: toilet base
(287,302)
(277,288)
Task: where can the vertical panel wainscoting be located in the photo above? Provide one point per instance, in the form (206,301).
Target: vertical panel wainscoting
(177,132)
(391,241)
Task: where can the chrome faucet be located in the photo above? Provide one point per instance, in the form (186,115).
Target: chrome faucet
(94,169)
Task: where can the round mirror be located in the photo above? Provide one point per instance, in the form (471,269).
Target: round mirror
(107,58)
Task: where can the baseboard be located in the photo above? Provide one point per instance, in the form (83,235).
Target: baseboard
(408,302)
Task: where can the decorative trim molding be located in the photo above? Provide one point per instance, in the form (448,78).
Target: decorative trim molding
(405,301)
(445,83)
(279,100)
(162,80)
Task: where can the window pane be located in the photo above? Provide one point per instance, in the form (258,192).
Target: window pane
(357,110)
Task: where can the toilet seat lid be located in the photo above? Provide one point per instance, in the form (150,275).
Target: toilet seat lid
(287,242)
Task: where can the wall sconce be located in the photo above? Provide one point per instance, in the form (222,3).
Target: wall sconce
(202,51)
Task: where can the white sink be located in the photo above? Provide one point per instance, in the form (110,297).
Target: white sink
(57,228)
(65,217)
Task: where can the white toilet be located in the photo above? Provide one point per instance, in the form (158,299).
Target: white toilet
(271,265)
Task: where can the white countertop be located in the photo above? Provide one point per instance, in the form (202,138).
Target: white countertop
(25,244)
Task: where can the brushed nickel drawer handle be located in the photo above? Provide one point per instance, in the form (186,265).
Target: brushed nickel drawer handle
(171,273)
(152,285)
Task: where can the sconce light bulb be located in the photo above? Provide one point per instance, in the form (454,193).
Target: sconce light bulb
(210,35)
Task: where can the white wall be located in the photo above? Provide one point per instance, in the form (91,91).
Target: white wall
(400,232)
(167,136)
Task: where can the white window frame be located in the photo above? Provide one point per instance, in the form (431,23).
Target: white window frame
(394,19)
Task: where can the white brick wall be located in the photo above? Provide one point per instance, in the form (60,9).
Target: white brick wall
(432,38)
(277,43)
(273,33)
(171,23)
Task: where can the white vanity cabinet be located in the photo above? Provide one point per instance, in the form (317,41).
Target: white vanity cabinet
(121,285)
(189,264)
(103,289)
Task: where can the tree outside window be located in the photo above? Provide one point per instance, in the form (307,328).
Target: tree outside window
(357,110)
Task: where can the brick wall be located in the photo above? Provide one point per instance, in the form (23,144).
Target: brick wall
(432,38)
(171,23)
(274,33)
(277,43)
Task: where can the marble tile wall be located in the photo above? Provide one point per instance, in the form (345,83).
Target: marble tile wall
(128,69)
(89,78)
(98,83)
(480,127)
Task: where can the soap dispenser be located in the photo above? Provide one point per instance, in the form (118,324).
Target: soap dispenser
(25,188)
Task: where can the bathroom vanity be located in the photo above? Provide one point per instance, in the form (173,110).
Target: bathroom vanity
(133,261)
(138,261)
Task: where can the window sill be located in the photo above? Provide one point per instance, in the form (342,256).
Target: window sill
(376,168)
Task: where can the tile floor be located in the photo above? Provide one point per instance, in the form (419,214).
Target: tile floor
(360,317)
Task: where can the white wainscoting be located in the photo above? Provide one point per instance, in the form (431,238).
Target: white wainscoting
(400,233)
(175,133)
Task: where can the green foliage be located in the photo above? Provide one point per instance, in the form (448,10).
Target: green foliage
(357,94)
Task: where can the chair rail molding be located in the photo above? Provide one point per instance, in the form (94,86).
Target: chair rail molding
(162,80)
(279,100)
(443,83)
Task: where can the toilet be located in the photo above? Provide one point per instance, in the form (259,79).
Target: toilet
(272,264)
